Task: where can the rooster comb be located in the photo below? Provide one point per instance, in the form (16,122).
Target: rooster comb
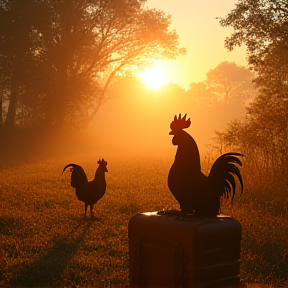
(180,123)
(102,162)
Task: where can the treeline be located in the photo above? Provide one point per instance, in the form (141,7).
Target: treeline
(140,117)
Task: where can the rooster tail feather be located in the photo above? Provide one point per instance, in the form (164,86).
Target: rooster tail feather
(231,158)
(223,173)
(78,176)
(69,165)
(229,191)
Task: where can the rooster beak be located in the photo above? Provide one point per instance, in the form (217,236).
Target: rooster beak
(171,133)
(106,170)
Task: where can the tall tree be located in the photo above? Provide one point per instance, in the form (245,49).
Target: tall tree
(227,83)
(4,86)
(262,26)
(18,22)
(81,47)
(222,97)
(258,24)
(230,83)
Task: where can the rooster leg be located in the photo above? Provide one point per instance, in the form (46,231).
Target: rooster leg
(86,206)
(91,211)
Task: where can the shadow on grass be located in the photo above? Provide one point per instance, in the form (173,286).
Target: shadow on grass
(48,268)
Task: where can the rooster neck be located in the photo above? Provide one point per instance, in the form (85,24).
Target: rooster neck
(188,154)
(100,173)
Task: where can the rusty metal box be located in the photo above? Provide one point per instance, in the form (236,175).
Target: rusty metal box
(176,250)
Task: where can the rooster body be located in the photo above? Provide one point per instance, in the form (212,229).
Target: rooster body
(196,192)
(89,192)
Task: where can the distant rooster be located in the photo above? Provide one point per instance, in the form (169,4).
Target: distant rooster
(195,192)
(89,192)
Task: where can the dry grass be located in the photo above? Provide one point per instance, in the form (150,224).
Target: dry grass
(45,240)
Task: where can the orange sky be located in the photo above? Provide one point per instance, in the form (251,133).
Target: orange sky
(201,34)
(132,127)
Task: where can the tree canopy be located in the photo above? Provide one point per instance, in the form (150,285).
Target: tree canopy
(226,84)
(262,27)
(59,57)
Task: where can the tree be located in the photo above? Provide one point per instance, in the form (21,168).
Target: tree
(259,25)
(222,97)
(227,84)
(4,86)
(262,27)
(79,49)
(201,94)
(231,83)
(17,21)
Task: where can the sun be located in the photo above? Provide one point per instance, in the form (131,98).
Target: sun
(153,78)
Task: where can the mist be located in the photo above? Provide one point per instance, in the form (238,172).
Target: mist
(133,121)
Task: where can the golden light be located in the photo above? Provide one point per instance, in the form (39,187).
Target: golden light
(153,78)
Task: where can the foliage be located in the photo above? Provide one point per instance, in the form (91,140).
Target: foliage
(263,143)
(223,97)
(262,27)
(46,240)
(227,83)
(61,56)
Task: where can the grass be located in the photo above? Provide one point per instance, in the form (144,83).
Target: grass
(46,242)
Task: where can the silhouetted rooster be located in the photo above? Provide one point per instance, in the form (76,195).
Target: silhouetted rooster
(89,192)
(195,192)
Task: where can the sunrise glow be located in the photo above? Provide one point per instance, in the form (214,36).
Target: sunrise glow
(153,78)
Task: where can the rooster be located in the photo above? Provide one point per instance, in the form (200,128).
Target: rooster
(89,192)
(196,192)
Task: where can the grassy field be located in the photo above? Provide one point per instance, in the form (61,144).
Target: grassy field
(46,242)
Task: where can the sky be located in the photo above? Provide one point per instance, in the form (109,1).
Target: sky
(196,23)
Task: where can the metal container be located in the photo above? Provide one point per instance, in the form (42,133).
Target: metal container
(176,250)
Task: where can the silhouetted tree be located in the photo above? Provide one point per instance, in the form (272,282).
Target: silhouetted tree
(201,94)
(77,50)
(19,20)
(222,97)
(262,27)
(227,83)
(4,86)
(230,83)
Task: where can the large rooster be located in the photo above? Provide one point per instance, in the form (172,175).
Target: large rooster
(196,192)
(89,192)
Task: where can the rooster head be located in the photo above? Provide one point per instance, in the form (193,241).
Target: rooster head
(103,164)
(176,127)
